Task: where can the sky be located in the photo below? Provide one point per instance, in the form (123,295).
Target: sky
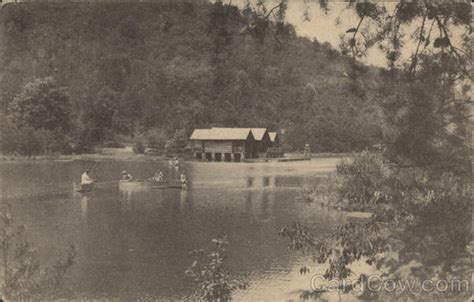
(328,27)
(324,27)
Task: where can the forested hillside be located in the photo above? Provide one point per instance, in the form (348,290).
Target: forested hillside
(128,69)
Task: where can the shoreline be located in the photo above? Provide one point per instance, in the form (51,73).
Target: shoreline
(77,157)
(125,154)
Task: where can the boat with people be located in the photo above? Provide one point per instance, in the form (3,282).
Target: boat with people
(156,182)
(83,188)
(127,182)
(87,183)
(173,184)
(174,162)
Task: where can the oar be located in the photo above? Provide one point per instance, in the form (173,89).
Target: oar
(104,183)
(93,167)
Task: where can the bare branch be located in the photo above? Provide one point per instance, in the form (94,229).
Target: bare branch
(420,38)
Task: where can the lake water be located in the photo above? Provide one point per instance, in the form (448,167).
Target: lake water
(134,243)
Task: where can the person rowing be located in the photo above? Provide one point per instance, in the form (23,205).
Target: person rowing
(159,177)
(126,176)
(86,181)
(183,180)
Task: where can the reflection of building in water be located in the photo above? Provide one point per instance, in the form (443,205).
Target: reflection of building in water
(248,201)
(266,181)
(249,182)
(272,181)
(267,203)
(261,182)
(264,204)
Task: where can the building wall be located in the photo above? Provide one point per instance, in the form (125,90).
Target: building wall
(197,145)
(276,143)
(247,148)
(218,146)
(262,146)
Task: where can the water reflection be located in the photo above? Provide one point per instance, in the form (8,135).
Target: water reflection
(84,202)
(133,241)
(249,181)
(266,181)
(183,196)
(264,204)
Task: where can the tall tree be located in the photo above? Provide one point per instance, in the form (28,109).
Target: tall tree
(42,104)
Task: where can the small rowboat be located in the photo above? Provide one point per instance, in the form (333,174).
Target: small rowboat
(137,185)
(83,188)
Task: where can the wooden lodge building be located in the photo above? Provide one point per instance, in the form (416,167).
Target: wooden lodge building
(231,144)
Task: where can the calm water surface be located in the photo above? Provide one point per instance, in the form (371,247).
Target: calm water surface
(133,243)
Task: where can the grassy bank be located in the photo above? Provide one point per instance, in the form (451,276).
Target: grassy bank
(103,154)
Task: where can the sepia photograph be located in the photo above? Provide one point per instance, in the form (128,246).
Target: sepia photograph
(236,150)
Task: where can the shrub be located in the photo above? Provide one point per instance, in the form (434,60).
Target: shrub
(363,179)
(156,138)
(42,104)
(24,278)
(139,147)
(323,189)
(214,283)
(113,144)
(177,143)
(8,136)
(29,142)
(82,141)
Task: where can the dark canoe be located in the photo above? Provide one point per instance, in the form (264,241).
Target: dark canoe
(83,188)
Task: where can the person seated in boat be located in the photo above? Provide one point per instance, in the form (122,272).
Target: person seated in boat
(183,179)
(86,180)
(159,177)
(176,161)
(126,176)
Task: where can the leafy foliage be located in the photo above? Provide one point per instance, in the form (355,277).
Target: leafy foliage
(214,283)
(42,105)
(24,278)
(364,186)
(177,142)
(182,66)
(418,188)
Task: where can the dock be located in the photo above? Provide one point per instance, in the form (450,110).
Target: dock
(279,159)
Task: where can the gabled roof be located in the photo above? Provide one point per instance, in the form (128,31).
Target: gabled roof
(273,136)
(258,133)
(221,134)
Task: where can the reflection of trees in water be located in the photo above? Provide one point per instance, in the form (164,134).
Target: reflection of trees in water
(248,201)
(264,204)
(249,181)
(187,202)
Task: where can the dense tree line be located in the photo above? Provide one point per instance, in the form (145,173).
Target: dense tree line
(418,187)
(129,70)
